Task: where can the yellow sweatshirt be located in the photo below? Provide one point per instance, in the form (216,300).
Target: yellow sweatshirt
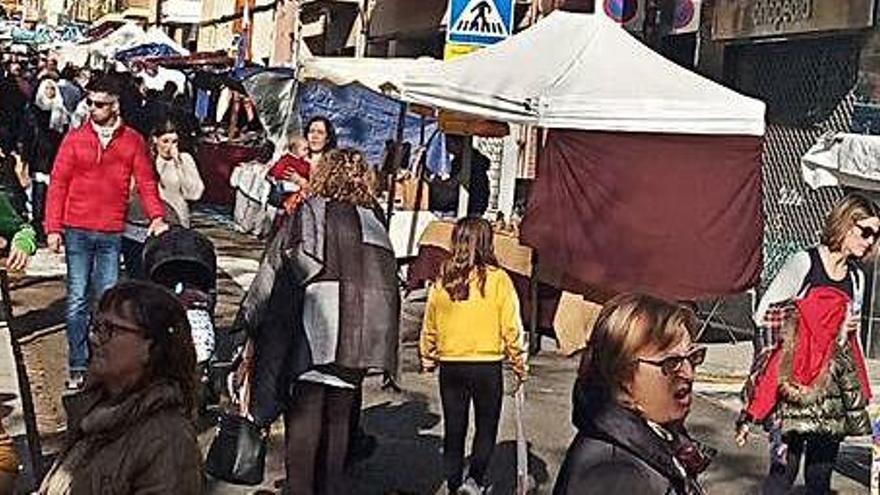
(482,329)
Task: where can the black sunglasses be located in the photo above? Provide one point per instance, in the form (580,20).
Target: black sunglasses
(98,104)
(103,331)
(672,364)
(868,232)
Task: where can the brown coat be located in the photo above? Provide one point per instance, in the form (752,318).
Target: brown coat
(142,445)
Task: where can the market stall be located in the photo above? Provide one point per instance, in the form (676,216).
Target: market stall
(650,178)
(566,314)
(129,38)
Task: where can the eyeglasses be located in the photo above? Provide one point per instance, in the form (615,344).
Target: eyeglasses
(98,104)
(672,364)
(103,331)
(868,232)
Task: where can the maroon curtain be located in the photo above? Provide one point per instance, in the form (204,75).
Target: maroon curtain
(673,215)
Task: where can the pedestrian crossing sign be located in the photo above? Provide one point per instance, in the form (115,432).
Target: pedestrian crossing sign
(479,22)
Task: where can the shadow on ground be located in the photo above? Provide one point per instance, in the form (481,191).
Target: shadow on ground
(406,459)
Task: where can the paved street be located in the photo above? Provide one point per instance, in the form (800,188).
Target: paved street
(408,424)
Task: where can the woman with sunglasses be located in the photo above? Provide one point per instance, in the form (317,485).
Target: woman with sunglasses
(631,397)
(810,387)
(131,430)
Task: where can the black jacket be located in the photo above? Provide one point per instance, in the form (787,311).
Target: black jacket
(615,451)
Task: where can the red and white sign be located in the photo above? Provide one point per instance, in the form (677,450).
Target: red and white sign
(686,18)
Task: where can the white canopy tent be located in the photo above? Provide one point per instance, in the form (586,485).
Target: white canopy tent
(127,36)
(382,75)
(583,71)
(843,159)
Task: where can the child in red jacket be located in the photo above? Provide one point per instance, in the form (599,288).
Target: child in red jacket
(292,170)
(290,176)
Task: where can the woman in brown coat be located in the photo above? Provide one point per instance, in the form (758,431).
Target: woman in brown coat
(8,463)
(131,431)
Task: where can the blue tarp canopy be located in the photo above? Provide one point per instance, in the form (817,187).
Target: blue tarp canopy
(146,50)
(363,119)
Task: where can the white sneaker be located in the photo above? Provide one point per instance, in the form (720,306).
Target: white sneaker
(471,487)
(76,381)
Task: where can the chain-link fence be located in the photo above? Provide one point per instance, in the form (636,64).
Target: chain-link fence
(808,86)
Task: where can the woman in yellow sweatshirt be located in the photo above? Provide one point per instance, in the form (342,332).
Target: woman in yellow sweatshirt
(471,323)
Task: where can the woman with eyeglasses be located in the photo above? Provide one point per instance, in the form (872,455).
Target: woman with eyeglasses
(131,429)
(631,397)
(810,386)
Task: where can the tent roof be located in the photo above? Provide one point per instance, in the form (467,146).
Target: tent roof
(376,74)
(583,71)
(127,36)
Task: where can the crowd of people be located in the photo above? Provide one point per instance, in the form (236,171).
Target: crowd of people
(92,165)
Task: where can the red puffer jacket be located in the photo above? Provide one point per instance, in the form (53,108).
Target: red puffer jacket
(90,185)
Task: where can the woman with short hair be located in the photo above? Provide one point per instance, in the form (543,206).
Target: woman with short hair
(631,398)
(131,430)
(811,384)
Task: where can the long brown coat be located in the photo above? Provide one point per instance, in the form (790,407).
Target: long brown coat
(142,445)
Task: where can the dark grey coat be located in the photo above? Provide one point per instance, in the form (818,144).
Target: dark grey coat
(324,298)
(616,452)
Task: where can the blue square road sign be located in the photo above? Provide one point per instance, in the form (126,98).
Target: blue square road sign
(479,22)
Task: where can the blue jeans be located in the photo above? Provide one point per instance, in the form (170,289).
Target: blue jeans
(92,268)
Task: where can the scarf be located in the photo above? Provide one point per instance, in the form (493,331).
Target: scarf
(105,133)
(58,116)
(104,420)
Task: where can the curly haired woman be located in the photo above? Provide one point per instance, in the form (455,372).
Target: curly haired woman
(328,279)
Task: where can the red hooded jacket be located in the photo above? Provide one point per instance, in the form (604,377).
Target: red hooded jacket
(90,185)
(821,314)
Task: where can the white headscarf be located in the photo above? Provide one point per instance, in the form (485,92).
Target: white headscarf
(59,118)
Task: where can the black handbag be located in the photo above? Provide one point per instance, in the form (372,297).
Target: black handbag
(238,452)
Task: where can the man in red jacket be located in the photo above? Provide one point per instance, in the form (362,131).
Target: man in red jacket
(86,206)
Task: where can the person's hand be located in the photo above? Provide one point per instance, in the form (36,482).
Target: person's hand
(157,227)
(175,154)
(852,324)
(289,175)
(742,435)
(17,260)
(54,242)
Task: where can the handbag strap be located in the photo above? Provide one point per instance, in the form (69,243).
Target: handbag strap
(244,392)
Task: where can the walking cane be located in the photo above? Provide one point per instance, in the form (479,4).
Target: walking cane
(523,483)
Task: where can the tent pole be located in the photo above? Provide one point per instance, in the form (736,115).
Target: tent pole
(534,338)
(464,175)
(392,177)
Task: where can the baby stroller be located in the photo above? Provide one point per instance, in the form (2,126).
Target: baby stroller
(184,261)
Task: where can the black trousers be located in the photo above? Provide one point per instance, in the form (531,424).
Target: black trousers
(38,205)
(819,453)
(316,438)
(460,384)
(132,256)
